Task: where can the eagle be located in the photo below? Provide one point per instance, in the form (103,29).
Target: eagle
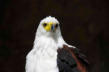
(50,52)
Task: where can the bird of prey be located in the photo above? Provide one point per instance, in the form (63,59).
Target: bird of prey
(51,53)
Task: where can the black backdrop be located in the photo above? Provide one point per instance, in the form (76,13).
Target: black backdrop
(84,23)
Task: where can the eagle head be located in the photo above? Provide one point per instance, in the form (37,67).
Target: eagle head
(48,26)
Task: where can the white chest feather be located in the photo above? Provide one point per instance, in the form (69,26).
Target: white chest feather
(43,57)
(47,56)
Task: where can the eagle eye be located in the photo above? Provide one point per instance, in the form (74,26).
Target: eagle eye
(44,24)
(56,25)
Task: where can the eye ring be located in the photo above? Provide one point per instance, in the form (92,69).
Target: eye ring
(56,25)
(44,24)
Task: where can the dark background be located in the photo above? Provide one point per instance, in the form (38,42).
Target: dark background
(84,23)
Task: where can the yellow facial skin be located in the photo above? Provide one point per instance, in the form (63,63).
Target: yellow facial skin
(48,26)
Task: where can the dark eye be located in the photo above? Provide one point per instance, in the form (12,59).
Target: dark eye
(56,25)
(44,24)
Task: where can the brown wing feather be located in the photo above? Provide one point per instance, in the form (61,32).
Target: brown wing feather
(81,62)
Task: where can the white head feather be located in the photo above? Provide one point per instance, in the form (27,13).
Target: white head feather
(41,32)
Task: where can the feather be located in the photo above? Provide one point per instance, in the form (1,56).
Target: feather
(71,60)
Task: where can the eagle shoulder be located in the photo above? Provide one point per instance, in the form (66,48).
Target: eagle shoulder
(70,60)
